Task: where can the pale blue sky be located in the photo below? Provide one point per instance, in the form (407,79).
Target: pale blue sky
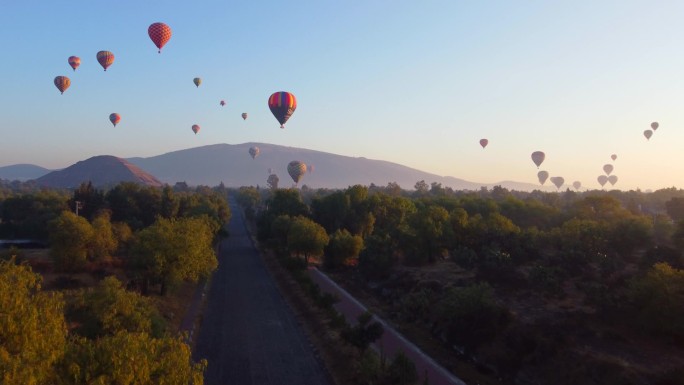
(417,83)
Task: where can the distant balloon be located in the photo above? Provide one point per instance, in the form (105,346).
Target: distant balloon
(74,62)
(484,142)
(648,134)
(577,185)
(244,116)
(223,103)
(613,157)
(543,176)
(62,83)
(655,125)
(195,128)
(602,179)
(296,169)
(160,34)
(197,81)
(114,118)
(105,58)
(557,181)
(538,158)
(254,151)
(607,168)
(612,179)
(282,105)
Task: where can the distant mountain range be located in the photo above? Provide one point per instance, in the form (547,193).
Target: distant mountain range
(232,165)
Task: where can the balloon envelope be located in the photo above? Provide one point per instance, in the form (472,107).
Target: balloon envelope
(244,116)
(602,179)
(613,157)
(254,151)
(484,142)
(282,105)
(607,168)
(105,58)
(197,81)
(557,181)
(612,179)
(296,169)
(648,134)
(160,34)
(577,185)
(543,176)
(223,103)
(114,118)
(655,125)
(195,128)
(538,158)
(62,83)
(74,62)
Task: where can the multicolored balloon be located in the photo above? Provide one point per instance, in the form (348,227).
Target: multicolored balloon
(543,176)
(160,34)
(577,184)
(254,151)
(655,125)
(648,134)
(195,128)
(197,81)
(282,105)
(296,169)
(244,116)
(114,118)
(62,83)
(484,142)
(602,179)
(613,157)
(105,58)
(222,103)
(74,62)
(557,181)
(612,179)
(607,168)
(538,158)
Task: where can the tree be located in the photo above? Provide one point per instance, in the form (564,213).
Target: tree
(675,209)
(402,371)
(172,250)
(32,328)
(343,249)
(91,200)
(422,188)
(306,238)
(364,333)
(169,203)
(429,225)
(70,238)
(272,181)
(103,242)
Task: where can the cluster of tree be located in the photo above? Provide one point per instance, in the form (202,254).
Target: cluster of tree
(623,250)
(115,341)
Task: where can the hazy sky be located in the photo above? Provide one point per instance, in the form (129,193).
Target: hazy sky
(413,82)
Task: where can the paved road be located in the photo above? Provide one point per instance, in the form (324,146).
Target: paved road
(249,335)
(391,340)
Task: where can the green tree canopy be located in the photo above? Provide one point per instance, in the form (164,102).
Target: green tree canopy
(306,238)
(70,241)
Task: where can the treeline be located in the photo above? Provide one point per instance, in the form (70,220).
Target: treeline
(102,334)
(614,258)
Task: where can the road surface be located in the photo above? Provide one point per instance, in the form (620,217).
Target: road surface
(249,335)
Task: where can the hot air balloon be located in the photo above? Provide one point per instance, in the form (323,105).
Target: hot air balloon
(254,151)
(195,128)
(613,157)
(484,142)
(62,83)
(602,179)
(223,103)
(114,118)
(648,134)
(244,116)
(538,157)
(282,105)
(557,181)
(577,184)
(197,81)
(105,58)
(296,169)
(655,125)
(607,168)
(74,62)
(160,34)
(543,176)
(612,179)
